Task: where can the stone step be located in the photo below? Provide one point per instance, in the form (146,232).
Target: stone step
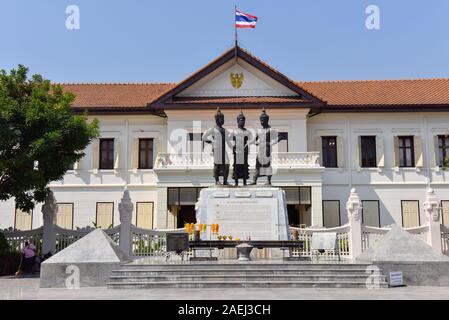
(243,266)
(227,278)
(241,284)
(236,272)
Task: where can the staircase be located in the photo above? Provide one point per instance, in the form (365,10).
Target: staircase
(260,275)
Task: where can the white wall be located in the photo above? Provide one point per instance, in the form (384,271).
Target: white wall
(388,184)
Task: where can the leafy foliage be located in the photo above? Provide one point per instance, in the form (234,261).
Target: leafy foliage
(37,124)
(445,165)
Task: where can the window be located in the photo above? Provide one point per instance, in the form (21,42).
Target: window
(368,151)
(329,152)
(144,215)
(410,213)
(64,215)
(145,153)
(445,215)
(283,142)
(443,149)
(23,220)
(371,213)
(106,153)
(406,151)
(105,214)
(331,213)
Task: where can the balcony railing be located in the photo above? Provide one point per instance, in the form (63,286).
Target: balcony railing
(281,160)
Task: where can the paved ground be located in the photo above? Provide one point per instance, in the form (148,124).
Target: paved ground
(28,288)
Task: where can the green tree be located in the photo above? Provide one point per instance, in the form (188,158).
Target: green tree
(40,137)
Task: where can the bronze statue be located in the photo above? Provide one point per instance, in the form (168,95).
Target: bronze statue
(242,138)
(265,139)
(219,137)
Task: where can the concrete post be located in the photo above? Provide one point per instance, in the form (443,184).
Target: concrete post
(125,209)
(354,209)
(49,209)
(432,210)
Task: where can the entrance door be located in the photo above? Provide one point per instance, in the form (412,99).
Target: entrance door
(186,214)
(299,206)
(181,204)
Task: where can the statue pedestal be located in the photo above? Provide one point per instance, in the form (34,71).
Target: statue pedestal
(256,213)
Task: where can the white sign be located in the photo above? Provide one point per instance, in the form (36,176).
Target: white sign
(323,241)
(243,217)
(396,279)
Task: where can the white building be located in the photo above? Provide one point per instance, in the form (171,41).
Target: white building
(387,139)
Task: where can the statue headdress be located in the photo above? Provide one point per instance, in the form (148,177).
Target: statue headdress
(264,114)
(218,114)
(241,115)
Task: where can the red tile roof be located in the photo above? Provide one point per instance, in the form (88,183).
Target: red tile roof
(381,92)
(334,93)
(120,95)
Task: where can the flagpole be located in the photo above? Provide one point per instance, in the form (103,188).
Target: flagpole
(236,36)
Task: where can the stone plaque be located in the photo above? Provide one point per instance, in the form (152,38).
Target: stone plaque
(242,218)
(240,213)
(242,194)
(264,194)
(221,194)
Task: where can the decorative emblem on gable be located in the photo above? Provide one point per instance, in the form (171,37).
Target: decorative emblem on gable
(237,80)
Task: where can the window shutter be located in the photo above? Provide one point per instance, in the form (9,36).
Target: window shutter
(340,152)
(95,154)
(436,152)
(319,148)
(135,154)
(410,214)
(396,151)
(358,152)
(380,154)
(419,156)
(105,214)
(116,153)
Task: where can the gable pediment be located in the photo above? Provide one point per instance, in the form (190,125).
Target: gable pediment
(254,80)
(251,83)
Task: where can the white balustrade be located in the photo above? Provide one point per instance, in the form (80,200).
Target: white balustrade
(305,234)
(206,160)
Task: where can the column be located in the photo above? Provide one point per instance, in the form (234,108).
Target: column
(317,206)
(432,210)
(125,209)
(161,208)
(354,209)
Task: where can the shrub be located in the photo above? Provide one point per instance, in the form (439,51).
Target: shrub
(4,246)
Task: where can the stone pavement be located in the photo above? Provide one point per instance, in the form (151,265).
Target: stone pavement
(28,289)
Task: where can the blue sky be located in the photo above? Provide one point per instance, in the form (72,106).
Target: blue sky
(165,41)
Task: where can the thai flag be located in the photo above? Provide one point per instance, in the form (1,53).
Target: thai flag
(244,20)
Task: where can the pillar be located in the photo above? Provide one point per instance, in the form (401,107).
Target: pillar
(317,206)
(432,210)
(354,209)
(125,209)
